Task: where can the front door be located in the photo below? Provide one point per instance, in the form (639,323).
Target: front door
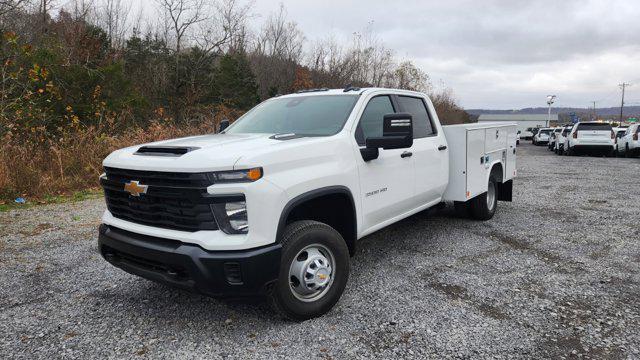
(386,183)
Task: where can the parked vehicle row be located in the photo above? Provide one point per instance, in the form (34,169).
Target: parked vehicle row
(594,138)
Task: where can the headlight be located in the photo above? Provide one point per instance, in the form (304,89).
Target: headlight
(231,215)
(232,176)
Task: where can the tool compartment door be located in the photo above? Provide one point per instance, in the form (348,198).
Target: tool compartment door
(496,139)
(476,170)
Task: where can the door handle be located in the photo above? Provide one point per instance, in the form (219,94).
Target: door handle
(442,147)
(406,154)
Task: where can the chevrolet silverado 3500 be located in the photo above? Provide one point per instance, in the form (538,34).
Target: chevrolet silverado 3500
(275,203)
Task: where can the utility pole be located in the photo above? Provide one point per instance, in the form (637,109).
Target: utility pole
(550,100)
(595,113)
(622,86)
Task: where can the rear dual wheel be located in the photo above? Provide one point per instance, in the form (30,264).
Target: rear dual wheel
(483,206)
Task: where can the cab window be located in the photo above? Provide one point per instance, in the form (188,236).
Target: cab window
(422,126)
(370,124)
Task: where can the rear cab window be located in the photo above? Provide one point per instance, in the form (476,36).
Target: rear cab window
(594,126)
(422,124)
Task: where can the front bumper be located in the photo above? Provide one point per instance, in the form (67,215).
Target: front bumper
(190,267)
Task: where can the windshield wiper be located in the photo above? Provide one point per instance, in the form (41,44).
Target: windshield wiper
(287,136)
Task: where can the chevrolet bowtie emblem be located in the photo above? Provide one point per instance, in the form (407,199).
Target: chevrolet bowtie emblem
(134,188)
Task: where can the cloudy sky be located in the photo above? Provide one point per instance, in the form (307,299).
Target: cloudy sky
(495,54)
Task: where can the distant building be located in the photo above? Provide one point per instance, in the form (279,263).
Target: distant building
(523,121)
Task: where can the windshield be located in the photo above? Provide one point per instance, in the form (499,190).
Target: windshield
(319,115)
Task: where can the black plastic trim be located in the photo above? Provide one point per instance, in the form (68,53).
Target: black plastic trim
(189,266)
(300,199)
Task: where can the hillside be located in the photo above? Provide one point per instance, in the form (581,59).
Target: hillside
(609,111)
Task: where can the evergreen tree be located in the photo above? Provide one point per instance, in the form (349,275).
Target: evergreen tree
(235,83)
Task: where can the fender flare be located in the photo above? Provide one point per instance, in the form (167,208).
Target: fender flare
(310,195)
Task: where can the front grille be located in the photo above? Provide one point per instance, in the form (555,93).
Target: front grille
(177,201)
(159,178)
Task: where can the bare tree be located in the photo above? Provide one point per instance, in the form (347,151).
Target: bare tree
(180,15)
(114,18)
(44,8)
(281,38)
(233,18)
(8,10)
(7,6)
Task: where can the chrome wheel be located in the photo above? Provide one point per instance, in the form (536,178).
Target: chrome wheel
(491,196)
(311,273)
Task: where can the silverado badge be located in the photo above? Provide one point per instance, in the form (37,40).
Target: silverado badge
(134,188)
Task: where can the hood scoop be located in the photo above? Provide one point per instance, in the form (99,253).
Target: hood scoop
(164,150)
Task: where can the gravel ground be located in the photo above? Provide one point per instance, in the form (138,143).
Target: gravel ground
(554,274)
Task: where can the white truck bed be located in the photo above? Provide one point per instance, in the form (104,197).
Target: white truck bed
(473,150)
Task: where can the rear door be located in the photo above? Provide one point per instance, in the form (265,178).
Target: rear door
(429,152)
(594,133)
(386,183)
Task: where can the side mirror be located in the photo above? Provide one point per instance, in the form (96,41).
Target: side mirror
(223,125)
(397,133)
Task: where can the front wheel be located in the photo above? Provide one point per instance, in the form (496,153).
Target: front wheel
(483,207)
(314,269)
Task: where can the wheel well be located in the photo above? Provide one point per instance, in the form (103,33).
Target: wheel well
(497,171)
(335,209)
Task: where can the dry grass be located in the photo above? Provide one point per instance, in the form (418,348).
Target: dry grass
(73,161)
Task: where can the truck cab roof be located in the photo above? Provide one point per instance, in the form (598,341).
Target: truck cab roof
(350,92)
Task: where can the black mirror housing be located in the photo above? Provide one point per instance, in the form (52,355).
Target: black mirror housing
(397,132)
(223,125)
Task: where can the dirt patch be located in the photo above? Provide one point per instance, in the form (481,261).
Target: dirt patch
(459,293)
(558,262)
(37,230)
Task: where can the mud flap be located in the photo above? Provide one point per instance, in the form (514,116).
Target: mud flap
(505,191)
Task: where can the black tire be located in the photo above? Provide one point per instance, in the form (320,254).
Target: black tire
(479,206)
(626,151)
(461,209)
(296,237)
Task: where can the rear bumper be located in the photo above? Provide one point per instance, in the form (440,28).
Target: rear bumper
(593,148)
(189,267)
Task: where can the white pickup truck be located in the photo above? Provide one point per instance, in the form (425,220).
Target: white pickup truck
(275,203)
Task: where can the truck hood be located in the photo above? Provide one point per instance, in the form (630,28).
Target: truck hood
(209,152)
